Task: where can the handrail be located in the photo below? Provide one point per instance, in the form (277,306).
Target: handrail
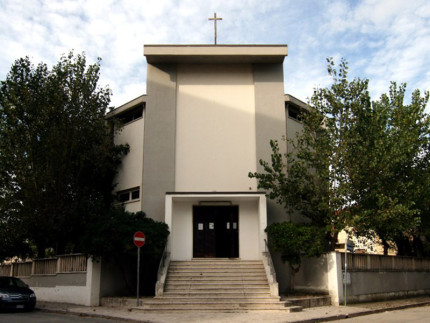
(270,271)
(269,260)
(162,272)
(162,262)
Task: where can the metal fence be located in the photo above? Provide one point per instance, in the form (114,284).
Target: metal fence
(364,262)
(72,263)
(48,266)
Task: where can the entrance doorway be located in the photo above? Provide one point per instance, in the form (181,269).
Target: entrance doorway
(215,231)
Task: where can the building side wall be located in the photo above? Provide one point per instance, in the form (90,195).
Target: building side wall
(215,134)
(159,139)
(130,171)
(269,120)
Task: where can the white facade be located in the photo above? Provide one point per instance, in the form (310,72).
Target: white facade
(208,117)
(215,128)
(252,222)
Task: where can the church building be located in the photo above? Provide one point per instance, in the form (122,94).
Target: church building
(204,124)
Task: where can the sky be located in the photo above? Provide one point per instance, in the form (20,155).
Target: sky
(382,40)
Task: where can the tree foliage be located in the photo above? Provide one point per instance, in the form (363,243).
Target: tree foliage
(111,238)
(293,240)
(57,157)
(357,163)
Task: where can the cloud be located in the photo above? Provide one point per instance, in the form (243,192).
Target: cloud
(383,40)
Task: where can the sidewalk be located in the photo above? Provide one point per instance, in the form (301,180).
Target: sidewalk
(315,314)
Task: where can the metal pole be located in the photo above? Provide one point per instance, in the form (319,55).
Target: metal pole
(138,275)
(346,271)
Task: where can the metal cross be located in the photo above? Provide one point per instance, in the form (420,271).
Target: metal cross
(215,19)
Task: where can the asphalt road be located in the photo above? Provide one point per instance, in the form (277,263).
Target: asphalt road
(415,314)
(44,317)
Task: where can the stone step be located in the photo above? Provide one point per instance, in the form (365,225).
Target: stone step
(217,266)
(250,280)
(216,261)
(243,300)
(226,309)
(216,277)
(190,276)
(223,296)
(309,301)
(212,306)
(242,266)
(217,286)
(225,293)
(212,271)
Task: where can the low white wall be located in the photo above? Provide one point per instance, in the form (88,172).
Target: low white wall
(60,289)
(375,284)
(325,275)
(312,276)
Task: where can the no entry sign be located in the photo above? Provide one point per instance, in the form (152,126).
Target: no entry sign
(139,239)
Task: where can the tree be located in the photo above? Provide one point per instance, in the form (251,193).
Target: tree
(357,163)
(294,241)
(57,157)
(111,239)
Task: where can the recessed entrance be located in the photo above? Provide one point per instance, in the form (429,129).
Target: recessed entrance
(215,231)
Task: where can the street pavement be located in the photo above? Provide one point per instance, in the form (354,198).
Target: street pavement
(315,314)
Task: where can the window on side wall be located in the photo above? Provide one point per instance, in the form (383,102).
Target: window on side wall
(130,195)
(295,112)
(132,114)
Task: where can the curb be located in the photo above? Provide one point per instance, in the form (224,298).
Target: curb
(363,313)
(93,315)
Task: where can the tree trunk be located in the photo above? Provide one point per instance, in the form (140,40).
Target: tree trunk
(41,250)
(386,246)
(293,272)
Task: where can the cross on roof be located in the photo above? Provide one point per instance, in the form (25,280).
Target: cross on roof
(215,19)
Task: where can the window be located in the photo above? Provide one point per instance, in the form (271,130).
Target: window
(295,112)
(132,114)
(128,195)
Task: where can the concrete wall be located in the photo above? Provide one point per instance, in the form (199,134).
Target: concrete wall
(130,171)
(74,288)
(325,274)
(373,286)
(215,129)
(312,276)
(270,121)
(159,139)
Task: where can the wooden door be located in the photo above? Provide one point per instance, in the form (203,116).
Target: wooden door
(216,231)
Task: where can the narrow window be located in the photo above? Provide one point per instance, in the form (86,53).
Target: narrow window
(128,195)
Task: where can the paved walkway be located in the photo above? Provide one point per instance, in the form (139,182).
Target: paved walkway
(316,314)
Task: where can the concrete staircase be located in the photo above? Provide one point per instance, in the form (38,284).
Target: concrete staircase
(217,284)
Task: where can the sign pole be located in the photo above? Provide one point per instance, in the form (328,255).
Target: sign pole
(349,246)
(138,275)
(346,270)
(139,240)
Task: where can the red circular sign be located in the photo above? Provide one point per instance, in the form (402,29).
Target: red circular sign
(139,239)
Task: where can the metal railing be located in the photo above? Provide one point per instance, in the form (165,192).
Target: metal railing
(75,263)
(269,260)
(47,266)
(72,263)
(365,262)
(162,272)
(22,269)
(5,270)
